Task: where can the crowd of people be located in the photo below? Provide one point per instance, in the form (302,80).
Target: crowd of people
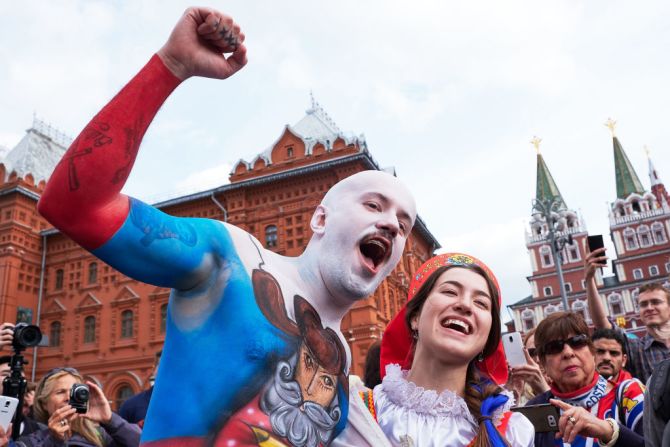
(256,335)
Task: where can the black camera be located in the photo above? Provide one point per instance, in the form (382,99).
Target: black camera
(26,336)
(79,394)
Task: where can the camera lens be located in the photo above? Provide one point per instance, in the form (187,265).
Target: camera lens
(26,335)
(81,394)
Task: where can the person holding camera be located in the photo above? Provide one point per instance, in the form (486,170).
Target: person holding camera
(61,403)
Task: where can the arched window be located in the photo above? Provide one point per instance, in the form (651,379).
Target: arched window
(59,279)
(630,239)
(616,304)
(93,273)
(89,329)
(164,311)
(579,307)
(545,256)
(644,236)
(528,318)
(659,233)
(122,394)
(635,296)
(54,334)
(271,236)
(127,324)
(550,309)
(573,252)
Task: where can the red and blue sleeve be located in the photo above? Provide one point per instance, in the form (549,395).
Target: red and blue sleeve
(83,196)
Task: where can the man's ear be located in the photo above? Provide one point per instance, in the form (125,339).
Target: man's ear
(624,360)
(318,222)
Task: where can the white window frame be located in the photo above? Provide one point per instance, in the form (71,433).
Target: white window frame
(568,287)
(630,233)
(615,298)
(546,250)
(526,316)
(545,288)
(654,271)
(657,228)
(643,230)
(638,274)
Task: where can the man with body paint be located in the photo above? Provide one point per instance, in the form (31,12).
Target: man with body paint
(221,349)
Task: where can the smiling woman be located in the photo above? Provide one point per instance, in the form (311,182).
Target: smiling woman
(591,406)
(443,360)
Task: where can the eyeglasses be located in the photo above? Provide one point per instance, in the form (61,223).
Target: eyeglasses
(556,346)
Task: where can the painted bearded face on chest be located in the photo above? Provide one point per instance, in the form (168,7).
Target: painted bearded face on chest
(361,228)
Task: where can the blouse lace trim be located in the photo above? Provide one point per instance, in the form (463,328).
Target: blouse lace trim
(407,395)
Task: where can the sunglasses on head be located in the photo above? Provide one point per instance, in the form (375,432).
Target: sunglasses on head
(556,346)
(532,352)
(55,371)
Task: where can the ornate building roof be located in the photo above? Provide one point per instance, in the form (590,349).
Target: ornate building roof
(546,188)
(627,181)
(37,153)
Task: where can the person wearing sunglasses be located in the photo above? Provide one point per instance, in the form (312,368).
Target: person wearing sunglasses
(97,427)
(593,410)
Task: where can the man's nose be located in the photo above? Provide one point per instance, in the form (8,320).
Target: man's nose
(389,222)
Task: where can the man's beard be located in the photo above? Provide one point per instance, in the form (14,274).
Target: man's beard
(282,401)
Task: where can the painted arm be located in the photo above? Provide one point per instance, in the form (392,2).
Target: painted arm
(83,197)
(596,308)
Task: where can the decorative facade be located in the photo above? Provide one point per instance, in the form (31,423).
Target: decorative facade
(639,228)
(109,326)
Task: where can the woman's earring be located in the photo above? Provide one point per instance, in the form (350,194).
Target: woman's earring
(415,334)
(480,357)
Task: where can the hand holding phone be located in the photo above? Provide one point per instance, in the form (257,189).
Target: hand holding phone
(513,346)
(544,417)
(595,242)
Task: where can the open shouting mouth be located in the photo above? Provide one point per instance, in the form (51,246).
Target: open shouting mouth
(457,325)
(375,250)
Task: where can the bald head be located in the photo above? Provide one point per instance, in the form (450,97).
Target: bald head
(379,182)
(360,229)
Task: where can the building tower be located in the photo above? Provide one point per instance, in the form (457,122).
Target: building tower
(639,226)
(544,282)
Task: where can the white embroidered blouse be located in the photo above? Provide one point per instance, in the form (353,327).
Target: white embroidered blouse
(409,415)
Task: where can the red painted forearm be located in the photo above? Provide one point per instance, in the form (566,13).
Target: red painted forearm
(82,197)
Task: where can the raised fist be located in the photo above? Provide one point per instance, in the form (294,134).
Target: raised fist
(199,43)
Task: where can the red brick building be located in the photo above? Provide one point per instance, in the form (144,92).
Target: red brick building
(639,228)
(108,325)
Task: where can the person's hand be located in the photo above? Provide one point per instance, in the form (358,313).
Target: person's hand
(578,421)
(593,261)
(59,422)
(198,42)
(5,435)
(98,406)
(531,373)
(6,334)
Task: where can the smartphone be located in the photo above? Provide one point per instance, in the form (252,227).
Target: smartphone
(513,346)
(595,242)
(544,417)
(7,409)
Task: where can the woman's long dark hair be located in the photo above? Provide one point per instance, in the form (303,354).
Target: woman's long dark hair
(476,388)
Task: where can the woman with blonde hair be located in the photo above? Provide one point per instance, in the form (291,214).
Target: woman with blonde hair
(97,427)
(443,364)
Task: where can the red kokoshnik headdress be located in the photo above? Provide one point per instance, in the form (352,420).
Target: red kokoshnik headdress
(397,341)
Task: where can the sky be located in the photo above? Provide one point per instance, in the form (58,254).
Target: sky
(450,93)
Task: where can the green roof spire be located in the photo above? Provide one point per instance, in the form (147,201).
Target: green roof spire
(627,181)
(546,188)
